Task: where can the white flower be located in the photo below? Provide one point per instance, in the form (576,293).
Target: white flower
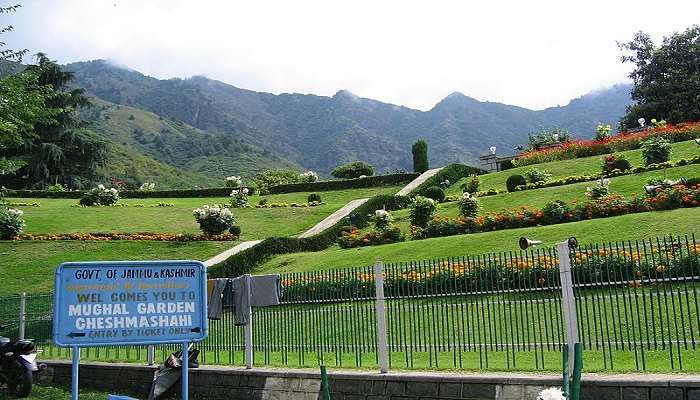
(113,191)
(363,176)
(551,394)
(13,212)
(245,190)
(381,213)
(466,195)
(101,187)
(604,182)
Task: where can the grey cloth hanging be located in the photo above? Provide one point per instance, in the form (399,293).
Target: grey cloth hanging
(265,290)
(215,306)
(241,299)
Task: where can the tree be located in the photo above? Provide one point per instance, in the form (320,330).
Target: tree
(666,77)
(420,156)
(59,150)
(9,54)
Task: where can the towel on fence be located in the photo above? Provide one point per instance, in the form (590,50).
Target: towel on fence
(265,290)
(215,288)
(241,299)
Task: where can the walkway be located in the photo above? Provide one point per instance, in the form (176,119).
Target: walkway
(418,181)
(334,218)
(228,253)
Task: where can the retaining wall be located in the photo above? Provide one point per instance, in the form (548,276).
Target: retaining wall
(215,383)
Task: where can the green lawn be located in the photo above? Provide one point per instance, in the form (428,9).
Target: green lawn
(626,227)
(57,215)
(29,266)
(52,393)
(579,166)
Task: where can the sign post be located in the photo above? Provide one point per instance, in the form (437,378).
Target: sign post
(130,303)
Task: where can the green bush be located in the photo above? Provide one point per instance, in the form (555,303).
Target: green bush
(263,201)
(545,138)
(436,193)
(505,165)
(422,211)
(555,211)
(314,197)
(353,170)
(100,196)
(514,181)
(420,156)
(214,220)
(235,230)
(11,222)
(656,150)
(615,161)
(471,185)
(263,181)
(535,175)
(468,206)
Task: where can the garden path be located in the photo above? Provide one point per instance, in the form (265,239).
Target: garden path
(326,223)
(418,181)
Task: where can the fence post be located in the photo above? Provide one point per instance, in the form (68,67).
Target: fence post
(22,315)
(380,307)
(568,301)
(151,354)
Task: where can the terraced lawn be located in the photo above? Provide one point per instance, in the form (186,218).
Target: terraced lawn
(627,227)
(57,215)
(579,166)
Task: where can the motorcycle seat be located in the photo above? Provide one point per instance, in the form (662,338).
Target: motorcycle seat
(4,341)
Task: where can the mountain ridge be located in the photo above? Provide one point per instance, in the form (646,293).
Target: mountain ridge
(320,132)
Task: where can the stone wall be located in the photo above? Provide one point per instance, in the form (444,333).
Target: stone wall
(236,383)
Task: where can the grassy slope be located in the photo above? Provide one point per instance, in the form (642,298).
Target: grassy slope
(57,215)
(29,266)
(628,227)
(183,146)
(580,166)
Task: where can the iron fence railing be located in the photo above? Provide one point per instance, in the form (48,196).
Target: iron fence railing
(636,306)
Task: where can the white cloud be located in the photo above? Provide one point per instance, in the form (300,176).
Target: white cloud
(533,54)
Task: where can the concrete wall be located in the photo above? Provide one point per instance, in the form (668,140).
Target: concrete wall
(236,383)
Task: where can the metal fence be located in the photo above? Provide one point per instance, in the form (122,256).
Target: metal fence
(636,305)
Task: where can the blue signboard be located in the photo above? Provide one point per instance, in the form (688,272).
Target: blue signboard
(129,302)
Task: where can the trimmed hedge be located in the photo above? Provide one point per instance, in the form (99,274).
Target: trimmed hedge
(370,181)
(127,194)
(246,260)
(452,173)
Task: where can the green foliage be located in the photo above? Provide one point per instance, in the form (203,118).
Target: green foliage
(436,193)
(5,53)
(314,197)
(600,190)
(451,173)
(602,131)
(353,170)
(468,205)
(666,77)
(214,220)
(471,185)
(99,196)
(390,234)
(422,211)
(11,222)
(372,181)
(514,181)
(382,220)
(535,175)
(615,161)
(656,150)
(263,181)
(420,156)
(545,138)
(555,211)
(235,230)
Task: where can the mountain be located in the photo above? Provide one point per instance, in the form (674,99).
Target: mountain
(208,126)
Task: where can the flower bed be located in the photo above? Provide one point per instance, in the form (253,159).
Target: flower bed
(286,205)
(620,142)
(107,236)
(556,212)
(538,271)
(587,178)
(122,205)
(353,238)
(21,204)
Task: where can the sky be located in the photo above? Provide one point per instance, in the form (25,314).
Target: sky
(533,54)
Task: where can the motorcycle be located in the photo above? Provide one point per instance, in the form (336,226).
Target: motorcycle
(168,374)
(18,366)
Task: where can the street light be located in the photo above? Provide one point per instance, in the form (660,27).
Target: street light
(492,149)
(641,121)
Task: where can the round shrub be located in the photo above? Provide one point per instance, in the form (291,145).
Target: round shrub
(314,197)
(471,185)
(214,220)
(436,193)
(11,222)
(468,205)
(614,161)
(656,150)
(422,211)
(534,175)
(262,201)
(353,170)
(100,196)
(235,230)
(514,181)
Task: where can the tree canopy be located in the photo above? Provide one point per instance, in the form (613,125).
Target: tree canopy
(666,77)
